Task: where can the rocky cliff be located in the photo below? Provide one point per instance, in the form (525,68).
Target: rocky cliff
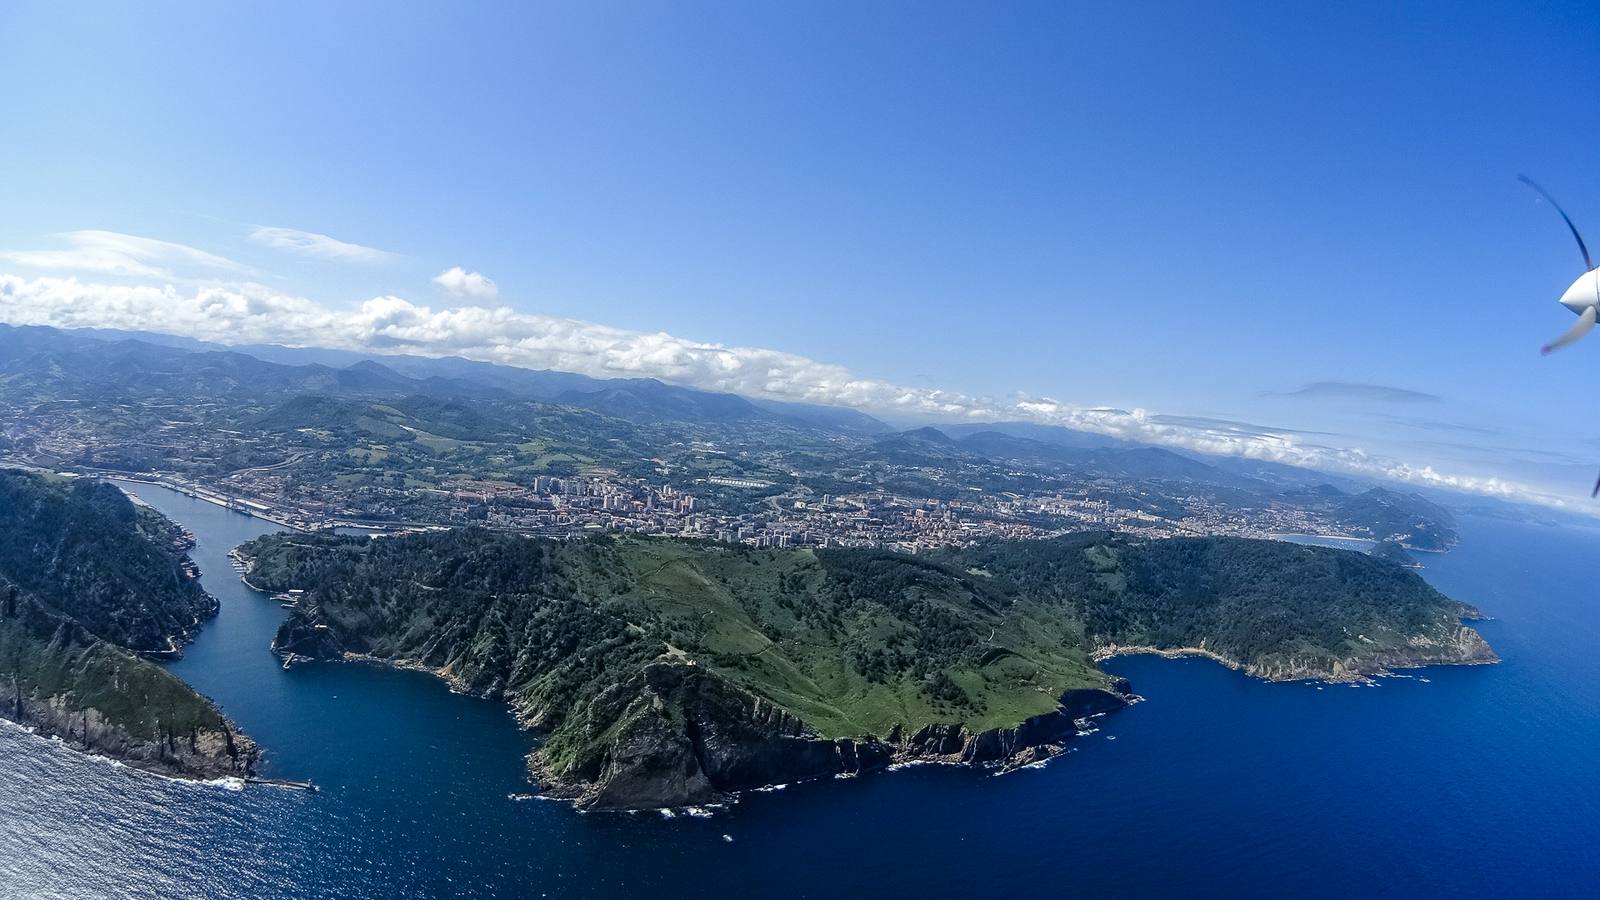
(1458,646)
(201,754)
(680,736)
(62,681)
(91,587)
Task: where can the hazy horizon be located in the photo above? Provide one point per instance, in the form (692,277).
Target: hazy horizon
(1045,215)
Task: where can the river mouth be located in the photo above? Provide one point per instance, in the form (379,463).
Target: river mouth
(316,720)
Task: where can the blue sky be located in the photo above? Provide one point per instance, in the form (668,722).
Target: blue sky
(1188,209)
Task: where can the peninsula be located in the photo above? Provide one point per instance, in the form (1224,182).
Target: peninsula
(91,589)
(668,672)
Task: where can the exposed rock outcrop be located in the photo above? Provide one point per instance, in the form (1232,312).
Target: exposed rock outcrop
(198,753)
(1012,746)
(676,735)
(1458,646)
(300,638)
(63,681)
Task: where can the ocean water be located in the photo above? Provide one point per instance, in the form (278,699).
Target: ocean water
(1474,782)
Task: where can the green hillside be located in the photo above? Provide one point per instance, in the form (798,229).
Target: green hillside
(1275,609)
(83,549)
(86,579)
(587,639)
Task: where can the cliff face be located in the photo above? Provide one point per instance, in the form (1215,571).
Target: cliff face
(300,638)
(1448,646)
(1453,646)
(218,752)
(1037,737)
(679,736)
(61,680)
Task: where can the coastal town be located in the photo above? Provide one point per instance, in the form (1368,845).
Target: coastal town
(387,459)
(603,501)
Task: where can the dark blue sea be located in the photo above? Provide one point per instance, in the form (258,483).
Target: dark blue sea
(1462,781)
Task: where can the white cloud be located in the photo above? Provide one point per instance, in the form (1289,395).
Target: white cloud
(309,243)
(112,253)
(461,283)
(253,313)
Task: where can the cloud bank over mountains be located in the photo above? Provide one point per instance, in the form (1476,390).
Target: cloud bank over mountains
(235,313)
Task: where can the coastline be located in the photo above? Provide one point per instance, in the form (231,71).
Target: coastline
(1111,651)
(104,698)
(93,738)
(737,742)
(1347,671)
(1030,743)
(226,782)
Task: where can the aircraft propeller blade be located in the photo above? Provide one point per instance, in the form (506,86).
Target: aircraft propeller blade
(1587,263)
(1578,330)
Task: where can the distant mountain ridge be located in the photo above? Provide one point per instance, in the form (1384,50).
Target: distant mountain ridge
(138,356)
(302,390)
(1407,517)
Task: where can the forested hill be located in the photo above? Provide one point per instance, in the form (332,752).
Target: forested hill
(87,579)
(666,672)
(85,550)
(1276,609)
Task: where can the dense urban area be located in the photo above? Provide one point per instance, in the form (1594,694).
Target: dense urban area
(447,442)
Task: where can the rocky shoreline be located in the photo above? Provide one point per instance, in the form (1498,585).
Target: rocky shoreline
(94,591)
(200,755)
(713,760)
(731,742)
(84,663)
(1465,648)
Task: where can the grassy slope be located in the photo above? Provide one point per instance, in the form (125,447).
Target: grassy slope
(47,657)
(1014,658)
